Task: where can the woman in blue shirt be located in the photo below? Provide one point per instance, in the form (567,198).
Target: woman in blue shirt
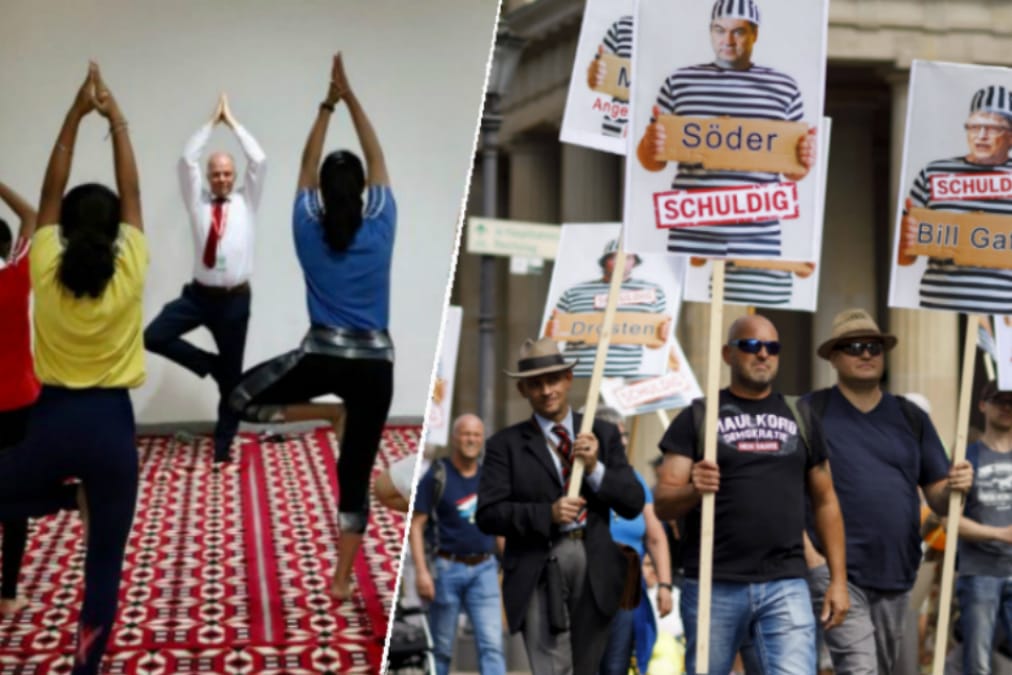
(344,245)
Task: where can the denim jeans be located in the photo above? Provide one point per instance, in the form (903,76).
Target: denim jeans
(776,616)
(619,651)
(983,601)
(476,588)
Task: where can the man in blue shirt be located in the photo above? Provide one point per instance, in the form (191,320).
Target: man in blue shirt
(882,447)
(466,570)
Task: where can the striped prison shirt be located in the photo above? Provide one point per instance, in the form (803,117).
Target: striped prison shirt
(591,296)
(946,285)
(707,90)
(618,41)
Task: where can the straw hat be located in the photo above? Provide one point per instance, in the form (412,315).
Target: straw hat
(538,357)
(851,324)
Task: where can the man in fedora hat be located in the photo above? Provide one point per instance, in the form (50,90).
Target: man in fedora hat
(768,458)
(562,573)
(637,295)
(882,447)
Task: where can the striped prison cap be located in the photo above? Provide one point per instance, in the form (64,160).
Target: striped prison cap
(610,249)
(736,9)
(993,99)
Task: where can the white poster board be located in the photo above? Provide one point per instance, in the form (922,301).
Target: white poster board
(676,388)
(953,241)
(782,284)
(741,122)
(597,105)
(440,410)
(647,311)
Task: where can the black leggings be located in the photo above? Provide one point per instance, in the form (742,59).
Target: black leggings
(365,385)
(13,424)
(87,433)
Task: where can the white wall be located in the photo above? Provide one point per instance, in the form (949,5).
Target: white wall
(417,67)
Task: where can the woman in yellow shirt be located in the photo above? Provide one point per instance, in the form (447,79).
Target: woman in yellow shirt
(88,276)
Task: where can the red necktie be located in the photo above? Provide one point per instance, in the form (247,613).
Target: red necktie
(214,233)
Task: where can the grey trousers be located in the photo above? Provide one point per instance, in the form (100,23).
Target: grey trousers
(869,639)
(579,649)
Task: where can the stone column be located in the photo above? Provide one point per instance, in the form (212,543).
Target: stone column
(927,358)
(533,196)
(591,189)
(847,265)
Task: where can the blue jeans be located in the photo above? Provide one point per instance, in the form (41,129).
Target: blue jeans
(982,602)
(618,653)
(476,587)
(776,616)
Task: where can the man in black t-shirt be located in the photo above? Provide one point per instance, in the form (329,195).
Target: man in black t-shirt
(765,462)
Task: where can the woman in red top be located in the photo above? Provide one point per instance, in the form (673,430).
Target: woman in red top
(18,385)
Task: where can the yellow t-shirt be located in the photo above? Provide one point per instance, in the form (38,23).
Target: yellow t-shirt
(88,342)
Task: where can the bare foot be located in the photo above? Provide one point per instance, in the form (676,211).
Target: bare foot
(341,590)
(10,606)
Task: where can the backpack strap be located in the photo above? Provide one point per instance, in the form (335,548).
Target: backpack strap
(698,421)
(792,402)
(438,485)
(915,417)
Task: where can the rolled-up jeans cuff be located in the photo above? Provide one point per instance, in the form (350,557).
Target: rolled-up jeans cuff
(352,523)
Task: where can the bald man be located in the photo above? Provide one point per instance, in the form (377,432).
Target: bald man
(766,458)
(218,297)
(465,570)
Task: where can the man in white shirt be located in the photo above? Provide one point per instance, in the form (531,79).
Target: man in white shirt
(218,298)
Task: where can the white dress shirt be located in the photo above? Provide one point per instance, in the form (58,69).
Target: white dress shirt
(594,477)
(234,264)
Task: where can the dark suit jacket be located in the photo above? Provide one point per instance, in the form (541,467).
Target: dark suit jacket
(518,484)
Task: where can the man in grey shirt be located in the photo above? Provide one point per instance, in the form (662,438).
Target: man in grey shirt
(984,587)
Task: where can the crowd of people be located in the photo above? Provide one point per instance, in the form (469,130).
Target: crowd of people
(72,354)
(817,522)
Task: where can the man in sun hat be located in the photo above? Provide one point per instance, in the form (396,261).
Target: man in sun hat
(562,573)
(946,285)
(768,458)
(731,85)
(637,295)
(882,448)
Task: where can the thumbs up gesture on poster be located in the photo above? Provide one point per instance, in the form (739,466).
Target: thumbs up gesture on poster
(597,70)
(652,144)
(908,235)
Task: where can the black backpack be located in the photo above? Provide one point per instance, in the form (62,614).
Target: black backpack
(431,533)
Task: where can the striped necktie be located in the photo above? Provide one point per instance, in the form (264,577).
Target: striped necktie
(565,452)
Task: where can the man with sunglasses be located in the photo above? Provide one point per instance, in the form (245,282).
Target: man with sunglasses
(984,587)
(946,285)
(766,461)
(883,447)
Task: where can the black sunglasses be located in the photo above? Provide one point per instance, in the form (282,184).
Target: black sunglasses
(858,348)
(754,346)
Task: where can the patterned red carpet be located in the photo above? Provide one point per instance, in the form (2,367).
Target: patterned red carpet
(227,571)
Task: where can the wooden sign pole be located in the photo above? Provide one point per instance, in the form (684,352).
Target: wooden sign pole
(634,432)
(710,454)
(665,420)
(618,272)
(956,498)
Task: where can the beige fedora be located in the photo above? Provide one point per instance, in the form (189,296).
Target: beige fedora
(851,324)
(538,357)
